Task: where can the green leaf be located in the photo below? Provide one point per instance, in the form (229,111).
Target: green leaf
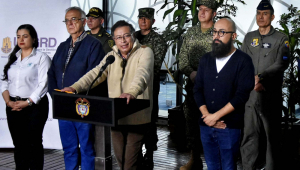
(195,20)
(175,1)
(183,19)
(174,49)
(194,8)
(164,5)
(177,13)
(292,43)
(168,12)
(286,30)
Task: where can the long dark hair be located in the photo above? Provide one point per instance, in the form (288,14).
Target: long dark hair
(12,56)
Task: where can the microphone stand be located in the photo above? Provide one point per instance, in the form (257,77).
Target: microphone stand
(99,75)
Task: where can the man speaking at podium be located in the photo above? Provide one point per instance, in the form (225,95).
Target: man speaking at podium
(130,76)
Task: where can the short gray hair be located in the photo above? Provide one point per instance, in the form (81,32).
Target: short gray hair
(83,15)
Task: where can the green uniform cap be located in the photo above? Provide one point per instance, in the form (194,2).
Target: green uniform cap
(146,12)
(212,4)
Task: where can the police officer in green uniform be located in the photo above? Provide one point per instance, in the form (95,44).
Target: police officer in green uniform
(269,50)
(147,36)
(197,41)
(95,19)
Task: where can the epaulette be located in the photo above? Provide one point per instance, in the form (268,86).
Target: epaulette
(108,34)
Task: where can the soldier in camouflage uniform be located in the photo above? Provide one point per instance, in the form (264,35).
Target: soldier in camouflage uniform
(197,41)
(147,36)
(95,19)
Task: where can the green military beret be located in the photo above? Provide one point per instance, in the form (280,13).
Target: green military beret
(146,12)
(212,4)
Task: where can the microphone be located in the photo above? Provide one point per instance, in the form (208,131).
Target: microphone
(109,60)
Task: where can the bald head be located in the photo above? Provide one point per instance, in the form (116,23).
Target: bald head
(229,23)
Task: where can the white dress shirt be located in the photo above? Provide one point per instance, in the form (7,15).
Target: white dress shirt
(28,78)
(220,62)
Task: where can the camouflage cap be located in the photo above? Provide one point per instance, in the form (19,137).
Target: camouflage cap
(146,12)
(212,4)
(95,12)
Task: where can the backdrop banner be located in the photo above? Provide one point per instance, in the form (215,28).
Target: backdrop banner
(46,16)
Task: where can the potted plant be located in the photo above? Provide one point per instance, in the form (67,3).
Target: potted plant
(290,24)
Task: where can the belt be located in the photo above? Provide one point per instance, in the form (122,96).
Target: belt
(17,98)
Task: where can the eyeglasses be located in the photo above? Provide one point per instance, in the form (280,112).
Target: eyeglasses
(72,20)
(220,33)
(120,38)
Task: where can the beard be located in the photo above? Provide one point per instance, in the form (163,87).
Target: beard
(220,50)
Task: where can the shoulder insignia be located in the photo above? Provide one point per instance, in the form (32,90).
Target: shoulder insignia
(111,43)
(287,44)
(88,32)
(144,46)
(108,34)
(99,35)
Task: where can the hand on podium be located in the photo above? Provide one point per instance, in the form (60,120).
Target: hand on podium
(128,96)
(68,89)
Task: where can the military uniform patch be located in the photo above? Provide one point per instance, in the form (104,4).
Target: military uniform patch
(287,44)
(266,45)
(255,42)
(111,43)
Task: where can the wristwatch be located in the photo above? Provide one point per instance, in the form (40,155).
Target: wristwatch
(29,102)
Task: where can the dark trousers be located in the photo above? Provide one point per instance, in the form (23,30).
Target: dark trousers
(261,140)
(26,129)
(192,116)
(221,147)
(151,137)
(127,143)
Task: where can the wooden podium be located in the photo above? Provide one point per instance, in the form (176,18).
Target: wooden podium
(101,111)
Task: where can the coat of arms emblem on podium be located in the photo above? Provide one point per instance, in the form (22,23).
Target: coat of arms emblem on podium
(82,107)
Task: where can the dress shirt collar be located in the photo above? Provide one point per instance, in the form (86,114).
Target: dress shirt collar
(33,53)
(80,38)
